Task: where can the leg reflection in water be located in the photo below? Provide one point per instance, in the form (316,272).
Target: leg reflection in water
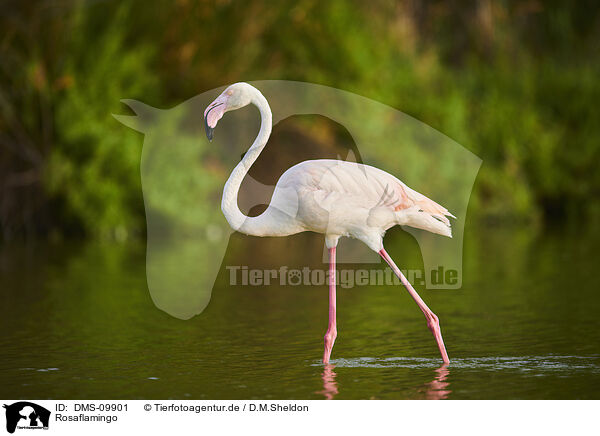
(330,388)
(438,388)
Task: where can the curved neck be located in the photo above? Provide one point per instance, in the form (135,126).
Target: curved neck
(236,219)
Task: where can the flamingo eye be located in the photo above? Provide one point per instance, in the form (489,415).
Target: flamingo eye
(230,92)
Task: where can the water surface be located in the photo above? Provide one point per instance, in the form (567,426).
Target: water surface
(78,322)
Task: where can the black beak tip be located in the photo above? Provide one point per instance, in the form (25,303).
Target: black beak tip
(209,130)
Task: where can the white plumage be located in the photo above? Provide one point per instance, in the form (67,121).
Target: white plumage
(341,198)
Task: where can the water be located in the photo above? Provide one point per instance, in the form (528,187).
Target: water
(78,322)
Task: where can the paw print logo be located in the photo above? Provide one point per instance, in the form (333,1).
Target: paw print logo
(294,277)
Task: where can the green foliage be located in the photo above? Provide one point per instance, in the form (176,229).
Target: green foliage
(515,83)
(94,168)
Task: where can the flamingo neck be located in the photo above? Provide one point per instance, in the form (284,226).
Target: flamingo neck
(229,205)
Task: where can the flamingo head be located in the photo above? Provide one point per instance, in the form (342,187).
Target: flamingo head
(234,97)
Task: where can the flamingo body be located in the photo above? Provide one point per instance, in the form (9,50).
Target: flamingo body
(341,198)
(332,197)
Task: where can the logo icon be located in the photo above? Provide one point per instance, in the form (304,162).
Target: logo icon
(26,415)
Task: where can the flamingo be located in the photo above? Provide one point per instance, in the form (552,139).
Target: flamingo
(332,197)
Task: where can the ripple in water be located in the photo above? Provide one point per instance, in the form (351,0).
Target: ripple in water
(550,363)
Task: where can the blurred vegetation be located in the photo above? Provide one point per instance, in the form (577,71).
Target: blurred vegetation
(513,81)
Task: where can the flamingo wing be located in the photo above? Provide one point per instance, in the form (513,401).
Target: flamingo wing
(372,186)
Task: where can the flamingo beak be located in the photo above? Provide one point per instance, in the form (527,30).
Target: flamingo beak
(209,130)
(213,113)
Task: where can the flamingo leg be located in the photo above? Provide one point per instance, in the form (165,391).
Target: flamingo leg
(331,334)
(433,321)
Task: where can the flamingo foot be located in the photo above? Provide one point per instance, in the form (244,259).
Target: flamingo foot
(433,322)
(329,340)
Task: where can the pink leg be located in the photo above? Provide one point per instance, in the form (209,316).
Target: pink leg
(432,320)
(331,328)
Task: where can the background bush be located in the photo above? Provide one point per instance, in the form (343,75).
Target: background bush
(514,82)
